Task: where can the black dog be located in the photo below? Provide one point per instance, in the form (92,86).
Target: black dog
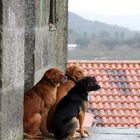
(72,108)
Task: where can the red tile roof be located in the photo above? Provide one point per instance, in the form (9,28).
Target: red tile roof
(117,103)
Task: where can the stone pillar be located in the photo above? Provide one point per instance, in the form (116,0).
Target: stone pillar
(29,43)
(11,69)
(27,49)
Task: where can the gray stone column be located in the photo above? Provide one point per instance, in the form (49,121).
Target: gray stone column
(27,49)
(29,43)
(11,69)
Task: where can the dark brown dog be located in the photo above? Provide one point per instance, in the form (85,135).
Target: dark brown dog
(38,101)
(71,110)
(74,73)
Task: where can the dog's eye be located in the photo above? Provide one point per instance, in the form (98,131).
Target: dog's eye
(94,79)
(79,72)
(56,74)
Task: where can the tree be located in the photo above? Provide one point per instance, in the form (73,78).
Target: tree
(104,34)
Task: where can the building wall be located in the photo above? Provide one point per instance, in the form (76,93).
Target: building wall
(27,49)
(50,46)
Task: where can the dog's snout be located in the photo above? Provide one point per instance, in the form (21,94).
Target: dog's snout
(98,87)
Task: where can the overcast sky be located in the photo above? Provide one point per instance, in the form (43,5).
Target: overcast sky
(104,10)
(107,7)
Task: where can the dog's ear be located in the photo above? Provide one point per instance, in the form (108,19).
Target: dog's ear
(75,72)
(84,81)
(78,73)
(48,73)
(51,73)
(69,70)
(55,75)
(94,79)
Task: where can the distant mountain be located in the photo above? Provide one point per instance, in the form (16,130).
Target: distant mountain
(131,21)
(81,26)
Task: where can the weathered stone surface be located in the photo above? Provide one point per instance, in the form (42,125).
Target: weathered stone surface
(50,46)
(110,133)
(12,69)
(27,49)
(29,43)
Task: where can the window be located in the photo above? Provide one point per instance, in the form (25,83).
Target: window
(52,17)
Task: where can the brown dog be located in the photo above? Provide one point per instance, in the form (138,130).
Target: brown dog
(74,73)
(38,101)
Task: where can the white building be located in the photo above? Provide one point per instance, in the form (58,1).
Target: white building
(72,47)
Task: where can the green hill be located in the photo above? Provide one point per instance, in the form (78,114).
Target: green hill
(81,26)
(97,40)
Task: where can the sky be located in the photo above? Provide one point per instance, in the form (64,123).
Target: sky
(121,12)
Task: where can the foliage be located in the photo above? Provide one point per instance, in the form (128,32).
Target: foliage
(102,41)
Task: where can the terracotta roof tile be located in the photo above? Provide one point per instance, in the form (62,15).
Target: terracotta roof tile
(117,103)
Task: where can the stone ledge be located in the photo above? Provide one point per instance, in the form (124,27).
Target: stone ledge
(111,133)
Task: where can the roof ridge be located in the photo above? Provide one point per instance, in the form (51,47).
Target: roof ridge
(106,61)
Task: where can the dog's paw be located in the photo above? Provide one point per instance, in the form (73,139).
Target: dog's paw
(47,134)
(87,132)
(50,135)
(84,132)
(74,136)
(84,135)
